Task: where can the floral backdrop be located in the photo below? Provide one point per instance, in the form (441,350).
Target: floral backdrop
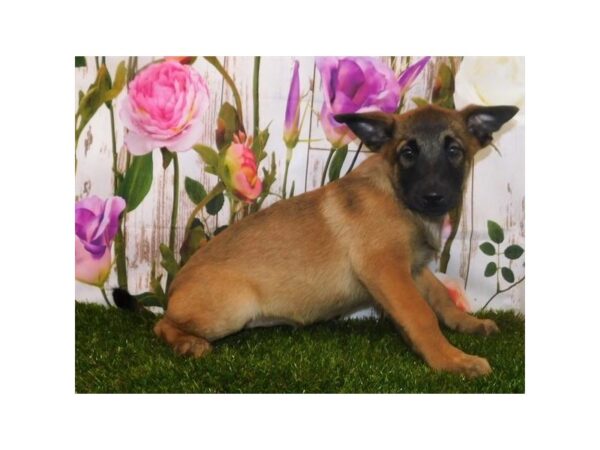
(171,150)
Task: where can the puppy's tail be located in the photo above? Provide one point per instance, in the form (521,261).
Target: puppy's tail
(124,300)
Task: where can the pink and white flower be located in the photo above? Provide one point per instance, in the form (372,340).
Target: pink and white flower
(163,108)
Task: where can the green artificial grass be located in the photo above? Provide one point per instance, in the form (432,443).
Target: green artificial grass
(116,351)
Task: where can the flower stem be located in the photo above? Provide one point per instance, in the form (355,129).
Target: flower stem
(472,223)
(121,260)
(331,152)
(236,95)
(355,158)
(219,187)
(113,137)
(455,215)
(287,167)
(255,98)
(500,291)
(233,209)
(174,209)
(120,241)
(105,297)
(498,269)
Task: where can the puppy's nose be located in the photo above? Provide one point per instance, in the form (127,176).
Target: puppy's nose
(433,199)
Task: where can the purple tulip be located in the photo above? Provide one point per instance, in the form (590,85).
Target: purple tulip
(96,224)
(354,85)
(411,73)
(291,129)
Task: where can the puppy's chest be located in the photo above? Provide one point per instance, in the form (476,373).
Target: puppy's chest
(425,242)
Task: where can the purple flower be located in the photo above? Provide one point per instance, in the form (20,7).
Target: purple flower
(291,129)
(96,224)
(411,73)
(354,85)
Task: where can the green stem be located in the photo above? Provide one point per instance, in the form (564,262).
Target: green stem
(285,178)
(105,297)
(498,269)
(255,99)
(454,222)
(500,291)
(113,137)
(219,187)
(472,222)
(232,210)
(331,152)
(174,210)
(121,260)
(355,158)
(120,240)
(236,95)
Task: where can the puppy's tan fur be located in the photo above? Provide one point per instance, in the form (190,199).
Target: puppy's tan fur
(322,254)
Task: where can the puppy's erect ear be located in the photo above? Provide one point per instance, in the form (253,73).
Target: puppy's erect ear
(482,121)
(373,128)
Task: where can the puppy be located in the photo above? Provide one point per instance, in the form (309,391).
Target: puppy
(365,237)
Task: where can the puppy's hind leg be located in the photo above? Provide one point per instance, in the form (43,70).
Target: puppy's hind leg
(203,309)
(182,342)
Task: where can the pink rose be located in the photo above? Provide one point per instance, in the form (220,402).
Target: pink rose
(455,290)
(163,108)
(241,171)
(96,224)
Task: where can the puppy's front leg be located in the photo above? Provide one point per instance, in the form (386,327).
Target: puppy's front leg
(437,296)
(388,279)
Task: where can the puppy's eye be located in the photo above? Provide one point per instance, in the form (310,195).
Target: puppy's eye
(455,153)
(408,156)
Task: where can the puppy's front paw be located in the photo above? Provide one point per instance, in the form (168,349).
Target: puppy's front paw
(470,366)
(487,327)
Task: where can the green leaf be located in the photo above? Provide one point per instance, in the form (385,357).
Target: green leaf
(208,154)
(259,143)
(92,100)
(488,248)
(495,232)
(148,299)
(268,180)
(337,162)
(194,240)
(168,260)
(157,287)
(118,84)
(490,269)
(101,91)
(167,157)
(228,124)
(269,176)
(80,61)
(508,274)
(137,181)
(513,251)
(443,88)
(214,206)
(420,101)
(195,190)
